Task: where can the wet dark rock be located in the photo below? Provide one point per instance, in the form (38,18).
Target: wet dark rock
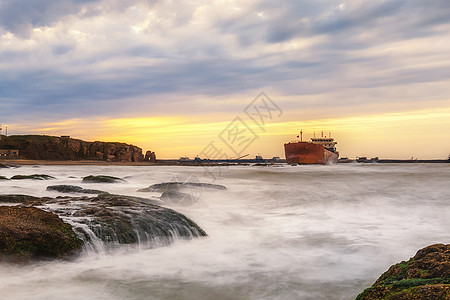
(73,189)
(5,166)
(18,199)
(174,186)
(3,178)
(33,177)
(102,179)
(117,199)
(108,220)
(127,220)
(28,233)
(425,276)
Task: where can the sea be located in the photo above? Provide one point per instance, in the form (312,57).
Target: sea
(277,232)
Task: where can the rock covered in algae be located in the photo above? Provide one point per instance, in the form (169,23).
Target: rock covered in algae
(28,233)
(108,220)
(426,276)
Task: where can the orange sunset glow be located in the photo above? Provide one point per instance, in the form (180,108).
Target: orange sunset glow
(391,135)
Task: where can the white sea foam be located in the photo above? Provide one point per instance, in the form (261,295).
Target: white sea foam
(305,232)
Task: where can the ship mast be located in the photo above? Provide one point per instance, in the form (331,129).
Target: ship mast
(301,135)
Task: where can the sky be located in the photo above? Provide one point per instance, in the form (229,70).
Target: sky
(179,77)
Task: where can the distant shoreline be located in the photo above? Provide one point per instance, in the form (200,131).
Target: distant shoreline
(174,162)
(25,162)
(29,162)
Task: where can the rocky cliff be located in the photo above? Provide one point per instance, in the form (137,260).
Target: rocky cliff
(65,148)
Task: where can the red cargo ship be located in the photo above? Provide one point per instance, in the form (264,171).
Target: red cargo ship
(318,151)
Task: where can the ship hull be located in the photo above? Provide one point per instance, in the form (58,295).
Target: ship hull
(309,153)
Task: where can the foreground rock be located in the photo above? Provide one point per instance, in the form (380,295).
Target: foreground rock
(102,179)
(128,220)
(175,186)
(30,233)
(73,189)
(3,178)
(102,222)
(32,177)
(426,276)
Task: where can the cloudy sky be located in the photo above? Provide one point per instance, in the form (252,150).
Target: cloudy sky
(170,76)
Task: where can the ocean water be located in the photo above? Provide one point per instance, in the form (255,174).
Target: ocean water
(304,232)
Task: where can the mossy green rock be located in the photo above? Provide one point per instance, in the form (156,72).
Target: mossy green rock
(28,233)
(102,179)
(425,276)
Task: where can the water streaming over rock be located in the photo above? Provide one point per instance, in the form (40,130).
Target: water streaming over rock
(108,221)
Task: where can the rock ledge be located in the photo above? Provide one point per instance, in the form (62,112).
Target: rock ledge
(425,276)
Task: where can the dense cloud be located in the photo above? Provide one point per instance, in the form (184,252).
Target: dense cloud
(95,56)
(21,16)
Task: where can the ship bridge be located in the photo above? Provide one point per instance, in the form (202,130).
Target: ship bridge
(327,143)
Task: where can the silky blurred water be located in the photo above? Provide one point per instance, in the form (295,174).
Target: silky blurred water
(304,232)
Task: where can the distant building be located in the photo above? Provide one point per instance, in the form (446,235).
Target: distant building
(9,153)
